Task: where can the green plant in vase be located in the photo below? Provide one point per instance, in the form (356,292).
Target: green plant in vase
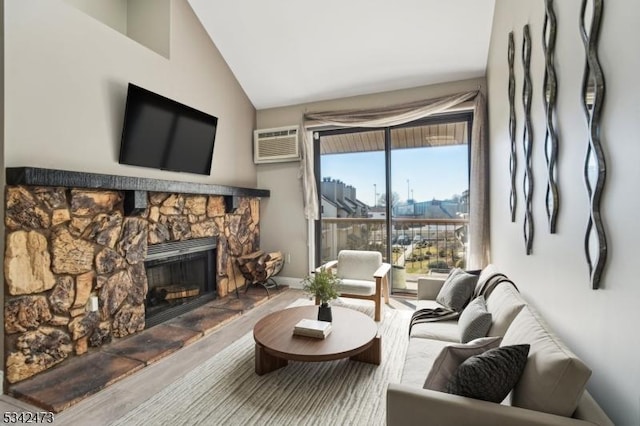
(323,285)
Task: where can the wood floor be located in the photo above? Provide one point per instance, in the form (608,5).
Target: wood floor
(110,403)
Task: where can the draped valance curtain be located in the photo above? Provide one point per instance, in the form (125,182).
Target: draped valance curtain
(478,253)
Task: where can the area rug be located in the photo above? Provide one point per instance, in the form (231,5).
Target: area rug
(225,390)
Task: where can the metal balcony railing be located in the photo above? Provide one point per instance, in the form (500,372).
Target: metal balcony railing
(418,246)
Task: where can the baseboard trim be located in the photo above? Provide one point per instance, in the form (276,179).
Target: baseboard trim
(292,282)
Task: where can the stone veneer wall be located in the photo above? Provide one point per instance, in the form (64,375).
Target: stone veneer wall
(64,245)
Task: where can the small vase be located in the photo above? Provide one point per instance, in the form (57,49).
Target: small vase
(324,312)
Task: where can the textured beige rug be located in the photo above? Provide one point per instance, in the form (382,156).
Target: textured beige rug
(226,391)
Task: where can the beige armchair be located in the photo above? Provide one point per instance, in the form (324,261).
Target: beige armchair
(363,275)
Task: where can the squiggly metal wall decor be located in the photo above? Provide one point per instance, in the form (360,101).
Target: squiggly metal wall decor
(593,90)
(549,91)
(527,140)
(513,161)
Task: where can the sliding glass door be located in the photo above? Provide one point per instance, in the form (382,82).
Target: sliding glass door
(352,192)
(402,191)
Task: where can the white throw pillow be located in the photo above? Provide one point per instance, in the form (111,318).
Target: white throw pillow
(450,358)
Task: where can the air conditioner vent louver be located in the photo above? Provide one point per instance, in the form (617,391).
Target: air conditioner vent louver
(276,145)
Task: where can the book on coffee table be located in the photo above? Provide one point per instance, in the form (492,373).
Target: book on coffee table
(312,328)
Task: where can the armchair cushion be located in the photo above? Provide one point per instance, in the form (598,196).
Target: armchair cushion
(359,287)
(358,264)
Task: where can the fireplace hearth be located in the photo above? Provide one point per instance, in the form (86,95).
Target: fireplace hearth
(181,277)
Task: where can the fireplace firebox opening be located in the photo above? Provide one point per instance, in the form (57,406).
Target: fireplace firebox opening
(181,276)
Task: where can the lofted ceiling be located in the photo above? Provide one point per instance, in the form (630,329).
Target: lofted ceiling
(288,52)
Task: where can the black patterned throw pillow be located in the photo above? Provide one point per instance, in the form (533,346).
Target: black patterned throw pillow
(491,375)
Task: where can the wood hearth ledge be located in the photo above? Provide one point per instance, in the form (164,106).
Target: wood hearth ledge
(135,187)
(62,386)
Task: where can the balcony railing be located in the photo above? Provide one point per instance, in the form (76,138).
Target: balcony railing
(419,246)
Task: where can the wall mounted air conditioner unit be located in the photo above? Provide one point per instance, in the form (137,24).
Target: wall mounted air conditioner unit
(276,145)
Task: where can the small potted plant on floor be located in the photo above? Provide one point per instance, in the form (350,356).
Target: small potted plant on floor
(323,285)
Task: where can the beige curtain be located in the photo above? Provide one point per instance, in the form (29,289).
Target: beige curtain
(478,253)
(307,174)
(479,250)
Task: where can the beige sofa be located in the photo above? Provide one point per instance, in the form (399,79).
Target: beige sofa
(551,390)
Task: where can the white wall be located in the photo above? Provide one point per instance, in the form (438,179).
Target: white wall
(283,226)
(148,22)
(600,326)
(66,79)
(2,182)
(65,82)
(111,12)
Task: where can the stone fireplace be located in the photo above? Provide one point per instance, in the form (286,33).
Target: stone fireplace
(92,258)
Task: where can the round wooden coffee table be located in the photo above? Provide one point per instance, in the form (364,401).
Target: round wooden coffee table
(353,334)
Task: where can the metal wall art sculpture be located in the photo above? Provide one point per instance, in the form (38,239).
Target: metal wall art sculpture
(527,140)
(593,89)
(513,162)
(549,91)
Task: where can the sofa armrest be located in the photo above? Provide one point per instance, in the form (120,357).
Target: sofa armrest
(589,409)
(409,406)
(429,287)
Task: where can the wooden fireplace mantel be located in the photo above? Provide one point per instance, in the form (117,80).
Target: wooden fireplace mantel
(135,187)
(51,177)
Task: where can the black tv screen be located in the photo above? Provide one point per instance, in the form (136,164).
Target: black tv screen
(164,134)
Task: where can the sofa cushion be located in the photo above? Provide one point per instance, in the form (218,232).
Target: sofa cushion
(491,375)
(421,353)
(474,320)
(426,304)
(447,331)
(504,303)
(358,264)
(451,356)
(554,378)
(457,290)
(488,274)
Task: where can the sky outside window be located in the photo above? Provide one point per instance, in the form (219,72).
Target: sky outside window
(433,173)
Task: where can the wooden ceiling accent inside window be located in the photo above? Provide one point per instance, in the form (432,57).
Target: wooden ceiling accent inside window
(452,133)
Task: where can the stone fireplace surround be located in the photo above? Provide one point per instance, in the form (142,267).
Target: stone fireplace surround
(71,236)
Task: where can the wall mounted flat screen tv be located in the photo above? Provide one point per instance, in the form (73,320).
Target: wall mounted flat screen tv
(164,134)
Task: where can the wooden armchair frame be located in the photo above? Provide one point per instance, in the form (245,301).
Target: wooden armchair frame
(381,278)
